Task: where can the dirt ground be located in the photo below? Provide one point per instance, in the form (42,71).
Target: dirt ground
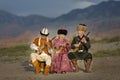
(105,68)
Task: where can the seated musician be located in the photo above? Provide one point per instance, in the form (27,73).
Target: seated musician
(60,61)
(80,46)
(43,47)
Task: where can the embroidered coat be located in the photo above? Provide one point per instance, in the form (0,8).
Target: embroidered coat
(42,42)
(60,61)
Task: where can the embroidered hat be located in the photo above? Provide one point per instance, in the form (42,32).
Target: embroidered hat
(44,32)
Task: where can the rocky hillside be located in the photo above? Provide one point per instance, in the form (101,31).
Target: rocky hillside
(102,19)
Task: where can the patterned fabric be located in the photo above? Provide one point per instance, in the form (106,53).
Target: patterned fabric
(43,43)
(60,61)
(44,55)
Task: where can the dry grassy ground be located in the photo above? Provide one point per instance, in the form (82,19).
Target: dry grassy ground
(105,68)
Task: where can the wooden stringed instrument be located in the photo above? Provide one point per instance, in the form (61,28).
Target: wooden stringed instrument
(77,48)
(41,49)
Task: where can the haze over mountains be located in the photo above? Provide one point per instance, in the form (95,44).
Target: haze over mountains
(102,19)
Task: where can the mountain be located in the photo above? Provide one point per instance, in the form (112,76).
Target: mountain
(102,19)
(100,11)
(9,18)
(12,25)
(105,11)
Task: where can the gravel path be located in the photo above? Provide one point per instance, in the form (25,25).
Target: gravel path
(105,68)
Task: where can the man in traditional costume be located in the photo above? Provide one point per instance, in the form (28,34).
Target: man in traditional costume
(43,49)
(80,45)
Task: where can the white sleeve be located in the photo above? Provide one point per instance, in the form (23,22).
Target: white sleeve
(51,51)
(34,47)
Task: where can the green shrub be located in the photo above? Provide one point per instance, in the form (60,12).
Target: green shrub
(21,50)
(105,53)
(108,40)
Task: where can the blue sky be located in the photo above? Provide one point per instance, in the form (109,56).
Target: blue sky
(48,8)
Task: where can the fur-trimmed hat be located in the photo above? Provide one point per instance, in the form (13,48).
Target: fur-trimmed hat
(62,30)
(82,27)
(44,32)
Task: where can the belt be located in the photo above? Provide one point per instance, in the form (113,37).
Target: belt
(80,51)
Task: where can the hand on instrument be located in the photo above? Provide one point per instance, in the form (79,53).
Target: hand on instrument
(39,50)
(84,40)
(48,45)
(76,45)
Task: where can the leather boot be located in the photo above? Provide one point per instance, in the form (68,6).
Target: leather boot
(37,67)
(30,63)
(47,69)
(74,61)
(87,65)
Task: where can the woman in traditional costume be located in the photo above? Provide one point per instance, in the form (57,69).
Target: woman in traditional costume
(60,60)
